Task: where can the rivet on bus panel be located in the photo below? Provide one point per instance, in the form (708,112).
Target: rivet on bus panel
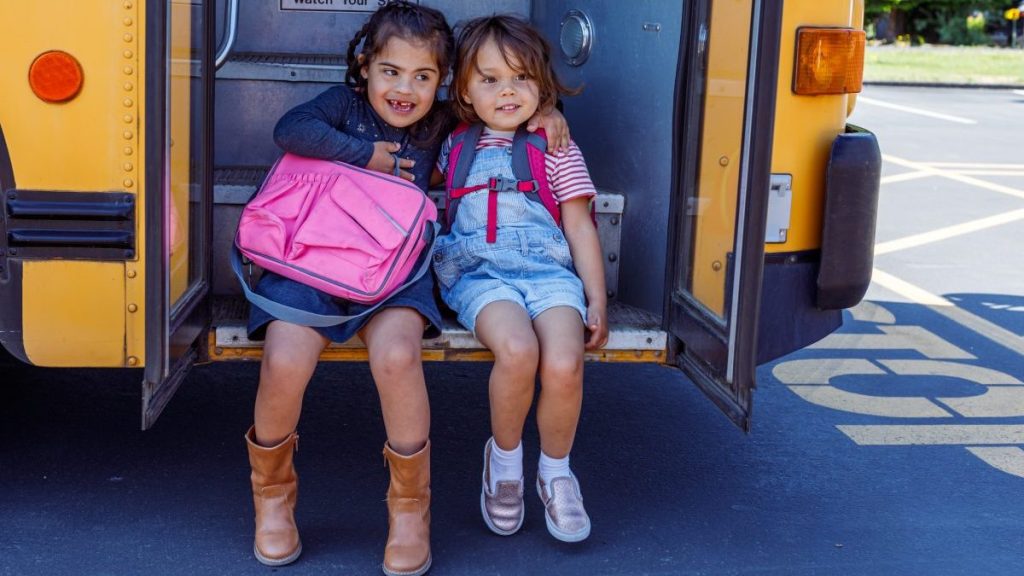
(128,135)
(128,151)
(724,160)
(128,102)
(128,70)
(128,86)
(133,308)
(132,273)
(716,265)
(128,167)
(128,118)
(128,53)
(128,38)
(133,361)
(128,182)
(128,22)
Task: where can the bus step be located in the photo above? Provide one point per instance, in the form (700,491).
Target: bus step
(635,336)
(321,68)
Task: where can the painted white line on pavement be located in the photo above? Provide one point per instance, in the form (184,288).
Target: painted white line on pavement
(948,232)
(974,165)
(940,305)
(991,172)
(904,177)
(1019,92)
(1009,459)
(917,111)
(955,176)
(907,290)
(923,434)
(868,311)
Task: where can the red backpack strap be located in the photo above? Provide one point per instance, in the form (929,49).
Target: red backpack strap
(460,159)
(528,163)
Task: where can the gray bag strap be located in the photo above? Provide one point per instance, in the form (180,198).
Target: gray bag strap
(305,318)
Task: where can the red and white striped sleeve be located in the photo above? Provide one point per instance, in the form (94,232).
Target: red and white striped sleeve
(568,175)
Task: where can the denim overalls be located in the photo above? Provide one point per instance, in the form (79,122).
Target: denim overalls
(529,263)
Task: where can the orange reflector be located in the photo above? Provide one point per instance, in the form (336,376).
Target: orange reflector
(55,76)
(828,61)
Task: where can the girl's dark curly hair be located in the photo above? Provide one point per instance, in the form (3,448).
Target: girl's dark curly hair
(525,51)
(408,21)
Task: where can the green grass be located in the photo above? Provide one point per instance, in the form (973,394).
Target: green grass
(944,65)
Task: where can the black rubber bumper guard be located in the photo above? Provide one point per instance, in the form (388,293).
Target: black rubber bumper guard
(66,225)
(851,209)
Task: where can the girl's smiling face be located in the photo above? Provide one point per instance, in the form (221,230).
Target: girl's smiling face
(501,93)
(401,81)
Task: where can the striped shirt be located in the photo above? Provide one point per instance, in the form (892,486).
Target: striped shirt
(567,173)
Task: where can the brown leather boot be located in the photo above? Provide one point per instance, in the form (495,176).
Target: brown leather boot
(408,549)
(275,488)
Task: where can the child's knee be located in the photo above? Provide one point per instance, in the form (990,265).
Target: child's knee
(518,352)
(398,358)
(562,372)
(280,362)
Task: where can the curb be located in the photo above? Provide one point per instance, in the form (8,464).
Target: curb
(945,85)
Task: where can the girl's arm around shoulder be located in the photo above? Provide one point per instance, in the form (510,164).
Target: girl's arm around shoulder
(555,127)
(312,129)
(586,257)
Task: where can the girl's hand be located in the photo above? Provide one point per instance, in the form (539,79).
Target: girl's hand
(383,161)
(555,127)
(597,323)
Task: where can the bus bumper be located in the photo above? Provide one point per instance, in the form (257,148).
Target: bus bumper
(848,225)
(803,293)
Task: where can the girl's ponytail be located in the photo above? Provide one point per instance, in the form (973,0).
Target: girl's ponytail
(352,75)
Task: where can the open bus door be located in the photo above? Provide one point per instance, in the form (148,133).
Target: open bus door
(179,198)
(723,133)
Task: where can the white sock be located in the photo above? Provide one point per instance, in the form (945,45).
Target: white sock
(506,464)
(550,468)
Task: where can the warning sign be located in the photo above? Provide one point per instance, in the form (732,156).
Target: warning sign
(334,5)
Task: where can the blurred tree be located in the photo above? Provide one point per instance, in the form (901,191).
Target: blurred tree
(931,20)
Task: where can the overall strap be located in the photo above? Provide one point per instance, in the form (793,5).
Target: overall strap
(529,163)
(460,160)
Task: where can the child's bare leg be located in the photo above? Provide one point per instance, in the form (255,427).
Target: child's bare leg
(560,331)
(290,355)
(505,328)
(393,339)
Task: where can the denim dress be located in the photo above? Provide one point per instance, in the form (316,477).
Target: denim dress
(529,263)
(340,124)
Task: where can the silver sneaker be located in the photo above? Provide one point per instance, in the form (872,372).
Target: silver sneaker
(502,509)
(566,518)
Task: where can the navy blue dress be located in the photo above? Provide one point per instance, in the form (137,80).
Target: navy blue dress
(340,124)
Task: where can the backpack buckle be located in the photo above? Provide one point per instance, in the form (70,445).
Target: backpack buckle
(528,186)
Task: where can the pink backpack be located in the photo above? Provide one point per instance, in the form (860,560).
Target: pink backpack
(528,166)
(350,232)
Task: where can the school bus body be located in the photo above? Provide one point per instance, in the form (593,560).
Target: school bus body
(71,312)
(117,220)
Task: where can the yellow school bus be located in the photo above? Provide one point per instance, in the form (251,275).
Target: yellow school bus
(736,207)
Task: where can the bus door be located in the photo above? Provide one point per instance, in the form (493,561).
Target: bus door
(178,200)
(723,137)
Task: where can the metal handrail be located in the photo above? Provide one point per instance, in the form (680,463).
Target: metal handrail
(228,43)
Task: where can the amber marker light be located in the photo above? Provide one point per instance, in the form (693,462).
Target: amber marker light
(828,61)
(55,76)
